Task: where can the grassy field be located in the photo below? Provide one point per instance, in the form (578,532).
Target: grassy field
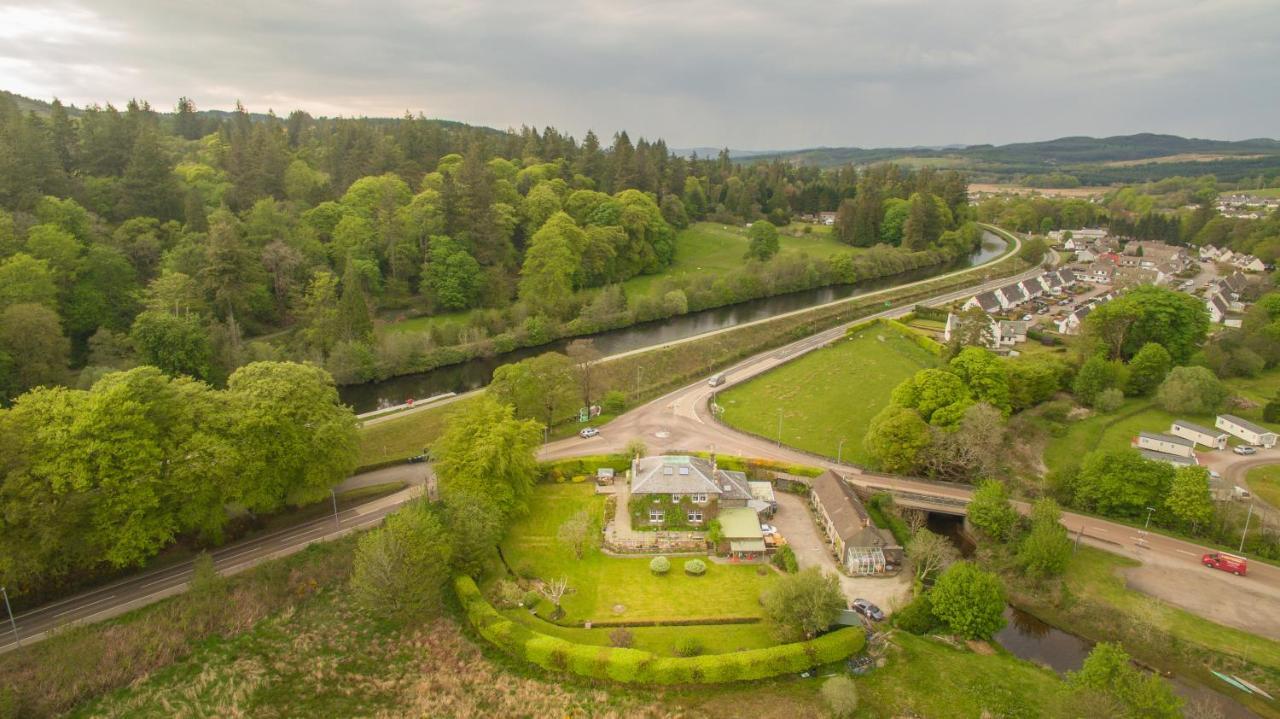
(1116,430)
(708,247)
(424,323)
(715,638)
(406,435)
(828,395)
(1265,483)
(604,587)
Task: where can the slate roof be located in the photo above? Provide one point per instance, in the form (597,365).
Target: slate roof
(1219,304)
(1031,287)
(1051,279)
(1013,294)
(988,301)
(847,514)
(674,475)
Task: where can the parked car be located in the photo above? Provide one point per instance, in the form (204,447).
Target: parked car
(420,458)
(716,380)
(867,609)
(588,432)
(1226,562)
(1244,450)
(768,529)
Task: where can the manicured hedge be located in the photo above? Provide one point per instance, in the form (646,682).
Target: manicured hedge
(925,343)
(636,666)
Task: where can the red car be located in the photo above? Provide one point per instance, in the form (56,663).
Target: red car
(1226,562)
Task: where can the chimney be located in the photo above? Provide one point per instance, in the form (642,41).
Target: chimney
(713,461)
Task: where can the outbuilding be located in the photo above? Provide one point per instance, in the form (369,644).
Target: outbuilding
(1246,430)
(1201,435)
(1166,444)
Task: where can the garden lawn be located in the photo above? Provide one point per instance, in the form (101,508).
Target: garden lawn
(709,247)
(1117,429)
(1264,482)
(828,395)
(425,322)
(714,638)
(404,435)
(604,587)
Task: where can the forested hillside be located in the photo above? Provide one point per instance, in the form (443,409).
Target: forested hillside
(197,242)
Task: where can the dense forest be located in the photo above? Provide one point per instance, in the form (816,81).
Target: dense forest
(198,242)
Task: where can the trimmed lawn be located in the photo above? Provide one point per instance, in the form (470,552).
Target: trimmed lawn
(927,678)
(709,247)
(604,587)
(1265,483)
(406,435)
(828,395)
(715,638)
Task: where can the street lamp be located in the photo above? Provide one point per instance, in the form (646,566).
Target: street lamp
(1246,527)
(334,496)
(1148,524)
(779,426)
(840,452)
(12,624)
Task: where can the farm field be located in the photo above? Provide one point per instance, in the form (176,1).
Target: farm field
(604,587)
(708,247)
(830,394)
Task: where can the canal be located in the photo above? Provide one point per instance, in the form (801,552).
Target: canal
(476,373)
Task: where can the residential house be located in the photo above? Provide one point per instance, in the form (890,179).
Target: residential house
(1010,332)
(1166,443)
(1011,296)
(1031,288)
(827,218)
(1132,276)
(1209,253)
(1086,255)
(1101,272)
(1199,434)
(1218,308)
(1248,431)
(1249,263)
(1151,254)
(1226,256)
(1050,281)
(694,487)
(858,546)
(741,529)
(988,301)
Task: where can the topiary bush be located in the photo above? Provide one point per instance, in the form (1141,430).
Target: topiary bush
(695,567)
(659,565)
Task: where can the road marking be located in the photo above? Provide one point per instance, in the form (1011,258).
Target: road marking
(1183,551)
(84,606)
(163,579)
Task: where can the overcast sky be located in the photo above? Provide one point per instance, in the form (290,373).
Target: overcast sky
(741,73)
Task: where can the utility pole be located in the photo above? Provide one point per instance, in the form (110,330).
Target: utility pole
(12,624)
(779,426)
(334,496)
(840,452)
(1246,527)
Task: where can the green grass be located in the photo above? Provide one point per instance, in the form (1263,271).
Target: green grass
(927,678)
(709,248)
(715,638)
(425,322)
(829,395)
(404,436)
(599,584)
(1265,483)
(1116,430)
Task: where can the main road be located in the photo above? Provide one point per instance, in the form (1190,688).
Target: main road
(680,420)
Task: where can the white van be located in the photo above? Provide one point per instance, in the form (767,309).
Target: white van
(716,380)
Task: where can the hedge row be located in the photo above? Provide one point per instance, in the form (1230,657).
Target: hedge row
(925,343)
(636,666)
(585,465)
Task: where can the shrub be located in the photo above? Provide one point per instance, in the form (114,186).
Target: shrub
(579,478)
(659,565)
(1108,400)
(970,600)
(841,696)
(917,617)
(695,567)
(524,569)
(620,637)
(688,647)
(785,559)
(1271,412)
(507,594)
(531,599)
(614,402)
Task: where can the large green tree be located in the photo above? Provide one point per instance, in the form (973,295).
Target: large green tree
(800,605)
(1175,320)
(486,451)
(969,600)
(1120,483)
(896,437)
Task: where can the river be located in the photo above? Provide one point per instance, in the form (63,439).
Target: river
(476,373)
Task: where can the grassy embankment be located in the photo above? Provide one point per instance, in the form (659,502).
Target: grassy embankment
(830,394)
(1264,482)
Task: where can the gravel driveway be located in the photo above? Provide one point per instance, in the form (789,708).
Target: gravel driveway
(796,524)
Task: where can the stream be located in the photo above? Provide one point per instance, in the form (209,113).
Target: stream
(476,373)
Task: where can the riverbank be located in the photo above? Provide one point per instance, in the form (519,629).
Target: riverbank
(470,373)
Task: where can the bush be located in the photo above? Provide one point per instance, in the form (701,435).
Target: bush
(507,594)
(1108,400)
(660,565)
(620,637)
(614,402)
(785,559)
(841,696)
(695,567)
(917,617)
(688,647)
(1271,412)
(531,599)
(637,666)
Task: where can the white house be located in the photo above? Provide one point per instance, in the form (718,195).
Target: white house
(1011,295)
(1166,444)
(1226,256)
(1249,263)
(1010,332)
(1031,288)
(1086,255)
(1199,434)
(1209,252)
(988,301)
(1176,460)
(1246,430)
(1217,308)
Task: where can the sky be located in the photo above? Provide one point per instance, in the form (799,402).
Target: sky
(735,73)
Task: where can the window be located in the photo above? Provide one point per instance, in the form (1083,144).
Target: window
(675,498)
(700,498)
(656,516)
(695,517)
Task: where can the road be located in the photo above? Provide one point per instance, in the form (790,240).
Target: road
(678,420)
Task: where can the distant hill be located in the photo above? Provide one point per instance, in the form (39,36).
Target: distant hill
(709,151)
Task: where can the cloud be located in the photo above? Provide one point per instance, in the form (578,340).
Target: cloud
(729,72)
